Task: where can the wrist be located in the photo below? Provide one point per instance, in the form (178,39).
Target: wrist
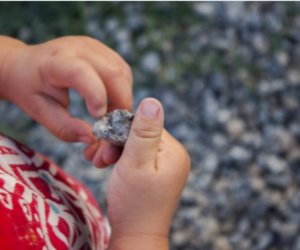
(7,48)
(137,242)
(134,233)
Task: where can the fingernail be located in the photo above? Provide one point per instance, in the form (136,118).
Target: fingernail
(86,140)
(102,111)
(150,109)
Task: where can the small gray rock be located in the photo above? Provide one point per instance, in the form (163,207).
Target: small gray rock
(114,127)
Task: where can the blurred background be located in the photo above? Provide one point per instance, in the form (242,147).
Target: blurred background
(228,76)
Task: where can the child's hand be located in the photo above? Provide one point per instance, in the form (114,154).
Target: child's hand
(37,79)
(146,183)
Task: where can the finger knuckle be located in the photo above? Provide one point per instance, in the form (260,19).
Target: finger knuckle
(117,70)
(146,132)
(77,70)
(69,45)
(64,43)
(62,133)
(56,51)
(127,69)
(128,73)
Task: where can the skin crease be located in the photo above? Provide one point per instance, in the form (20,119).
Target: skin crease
(151,170)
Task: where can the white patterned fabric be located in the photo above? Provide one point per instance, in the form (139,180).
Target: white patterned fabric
(41,207)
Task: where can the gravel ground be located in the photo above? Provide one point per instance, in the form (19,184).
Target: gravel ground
(228,76)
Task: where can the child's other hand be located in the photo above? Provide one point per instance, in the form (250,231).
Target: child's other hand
(37,79)
(146,183)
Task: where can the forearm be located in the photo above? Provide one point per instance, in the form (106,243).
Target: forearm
(137,243)
(7,44)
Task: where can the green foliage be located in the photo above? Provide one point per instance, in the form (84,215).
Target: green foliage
(46,20)
(168,29)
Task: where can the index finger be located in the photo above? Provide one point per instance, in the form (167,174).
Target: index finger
(115,73)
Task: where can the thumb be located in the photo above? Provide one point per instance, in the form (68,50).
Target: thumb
(143,141)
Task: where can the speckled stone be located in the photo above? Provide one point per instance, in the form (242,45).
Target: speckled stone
(114,127)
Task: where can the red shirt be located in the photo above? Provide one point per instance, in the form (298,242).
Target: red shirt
(43,208)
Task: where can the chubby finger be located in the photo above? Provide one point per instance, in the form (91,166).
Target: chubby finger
(116,75)
(112,153)
(68,72)
(106,155)
(53,116)
(90,151)
(142,145)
